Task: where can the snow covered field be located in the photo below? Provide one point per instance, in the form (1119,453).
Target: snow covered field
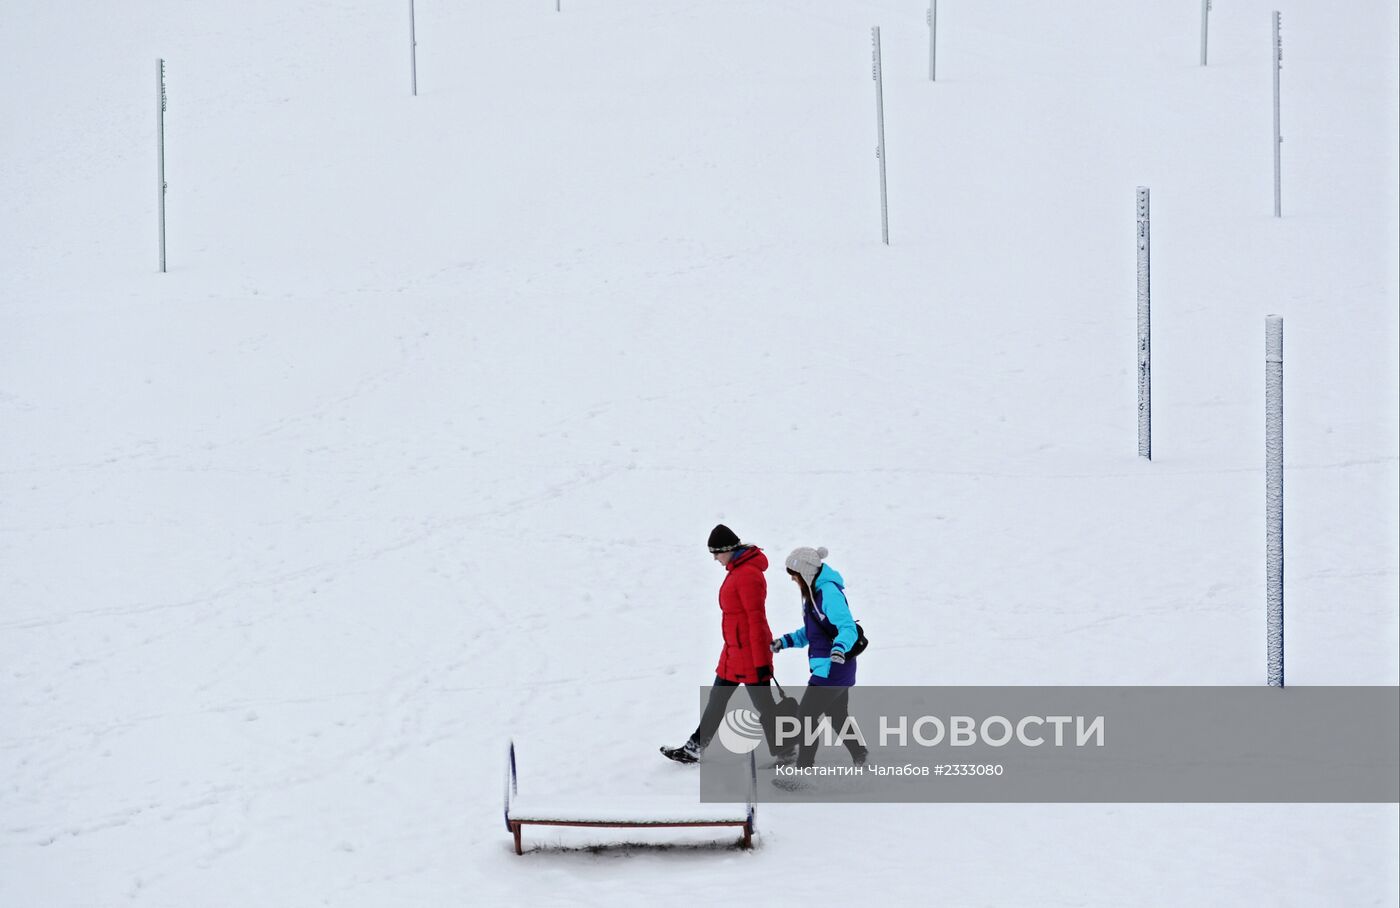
(415,447)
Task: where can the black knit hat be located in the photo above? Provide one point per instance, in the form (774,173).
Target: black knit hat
(722,539)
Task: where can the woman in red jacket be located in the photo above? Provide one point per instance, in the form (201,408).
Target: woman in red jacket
(747,657)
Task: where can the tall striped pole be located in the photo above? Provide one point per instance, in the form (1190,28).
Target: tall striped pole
(879,77)
(413,46)
(932,40)
(1144,321)
(160,153)
(1278,130)
(1273,493)
(1205,28)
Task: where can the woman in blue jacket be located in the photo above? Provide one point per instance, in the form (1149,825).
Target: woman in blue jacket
(829,632)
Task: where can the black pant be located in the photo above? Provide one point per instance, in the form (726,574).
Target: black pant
(760,693)
(835,704)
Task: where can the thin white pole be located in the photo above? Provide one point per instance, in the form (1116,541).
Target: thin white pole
(1278,134)
(160,152)
(1205,28)
(1144,321)
(1273,492)
(413,46)
(932,40)
(879,77)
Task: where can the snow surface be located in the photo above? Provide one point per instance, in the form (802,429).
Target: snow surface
(416,446)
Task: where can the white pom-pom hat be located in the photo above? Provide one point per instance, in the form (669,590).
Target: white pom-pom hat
(806,563)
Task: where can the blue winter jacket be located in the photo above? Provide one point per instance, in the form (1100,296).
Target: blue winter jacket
(827,623)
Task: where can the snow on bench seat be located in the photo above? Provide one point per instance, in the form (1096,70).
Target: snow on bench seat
(628,811)
(622,812)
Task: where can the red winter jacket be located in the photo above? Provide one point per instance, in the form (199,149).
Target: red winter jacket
(747,655)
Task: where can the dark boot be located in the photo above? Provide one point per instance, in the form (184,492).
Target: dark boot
(689,752)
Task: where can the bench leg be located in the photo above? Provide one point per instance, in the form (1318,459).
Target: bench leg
(515,828)
(748,835)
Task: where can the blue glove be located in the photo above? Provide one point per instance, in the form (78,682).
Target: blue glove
(838,657)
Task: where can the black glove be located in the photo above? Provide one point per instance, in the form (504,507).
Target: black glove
(838,657)
(776,645)
(765,672)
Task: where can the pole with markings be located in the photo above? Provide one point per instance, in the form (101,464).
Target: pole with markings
(1144,321)
(932,40)
(1205,28)
(878,74)
(1278,131)
(413,46)
(1273,493)
(160,154)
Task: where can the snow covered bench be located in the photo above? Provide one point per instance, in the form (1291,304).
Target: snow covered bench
(632,814)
